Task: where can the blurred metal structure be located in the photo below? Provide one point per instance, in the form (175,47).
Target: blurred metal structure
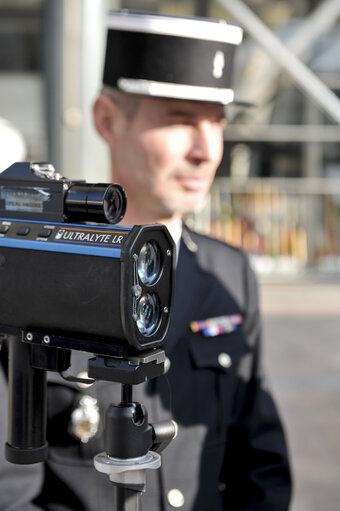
(274,221)
(75,32)
(286,223)
(285,55)
(21,83)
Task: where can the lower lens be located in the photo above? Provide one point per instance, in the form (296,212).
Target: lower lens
(147,313)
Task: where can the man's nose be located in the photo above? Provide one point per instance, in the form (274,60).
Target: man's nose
(206,142)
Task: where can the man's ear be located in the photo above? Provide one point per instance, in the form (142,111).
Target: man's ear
(105,112)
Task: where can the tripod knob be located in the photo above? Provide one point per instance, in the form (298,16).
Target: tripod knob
(127,432)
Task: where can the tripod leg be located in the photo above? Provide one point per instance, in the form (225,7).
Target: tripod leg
(27,406)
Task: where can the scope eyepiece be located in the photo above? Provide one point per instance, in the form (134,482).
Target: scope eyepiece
(95,202)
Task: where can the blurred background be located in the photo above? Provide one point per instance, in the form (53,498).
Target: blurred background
(276,194)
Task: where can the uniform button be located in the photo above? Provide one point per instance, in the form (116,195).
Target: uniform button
(176,428)
(175,498)
(224,360)
(167,364)
(221,486)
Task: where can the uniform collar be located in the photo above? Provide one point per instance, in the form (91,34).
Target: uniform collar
(187,297)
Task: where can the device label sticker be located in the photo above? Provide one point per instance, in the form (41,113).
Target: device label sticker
(91,236)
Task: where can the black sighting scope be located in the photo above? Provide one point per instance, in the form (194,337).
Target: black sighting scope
(36,191)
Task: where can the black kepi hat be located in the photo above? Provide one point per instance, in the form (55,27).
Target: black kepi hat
(171,57)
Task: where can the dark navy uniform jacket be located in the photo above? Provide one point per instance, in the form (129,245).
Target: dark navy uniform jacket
(230,452)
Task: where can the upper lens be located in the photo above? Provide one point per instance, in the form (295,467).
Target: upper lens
(147,314)
(149,263)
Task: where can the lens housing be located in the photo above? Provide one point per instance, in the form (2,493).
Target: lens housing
(148,273)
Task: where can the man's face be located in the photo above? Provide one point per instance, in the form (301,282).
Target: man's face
(166,156)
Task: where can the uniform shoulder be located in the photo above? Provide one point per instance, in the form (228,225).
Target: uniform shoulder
(229,265)
(213,245)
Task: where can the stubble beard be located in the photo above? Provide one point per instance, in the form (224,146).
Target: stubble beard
(183,206)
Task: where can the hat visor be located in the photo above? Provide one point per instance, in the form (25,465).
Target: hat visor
(175,91)
(179,91)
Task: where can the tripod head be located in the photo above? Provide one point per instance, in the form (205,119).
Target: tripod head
(132,445)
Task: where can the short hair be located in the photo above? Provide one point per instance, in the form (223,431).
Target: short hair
(128,103)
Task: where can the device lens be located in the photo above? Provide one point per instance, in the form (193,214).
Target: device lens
(149,263)
(114,204)
(147,314)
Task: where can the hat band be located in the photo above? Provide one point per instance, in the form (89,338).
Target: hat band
(175,90)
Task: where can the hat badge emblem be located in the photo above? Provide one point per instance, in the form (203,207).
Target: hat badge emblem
(218,64)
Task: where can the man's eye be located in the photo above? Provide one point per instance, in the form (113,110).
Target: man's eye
(180,120)
(219,121)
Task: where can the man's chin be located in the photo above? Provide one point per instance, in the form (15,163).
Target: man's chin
(186,204)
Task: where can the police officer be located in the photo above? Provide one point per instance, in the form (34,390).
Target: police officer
(166,82)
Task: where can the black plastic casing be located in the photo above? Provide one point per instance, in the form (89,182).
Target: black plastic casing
(87,298)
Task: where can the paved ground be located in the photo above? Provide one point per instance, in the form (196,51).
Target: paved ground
(302,352)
